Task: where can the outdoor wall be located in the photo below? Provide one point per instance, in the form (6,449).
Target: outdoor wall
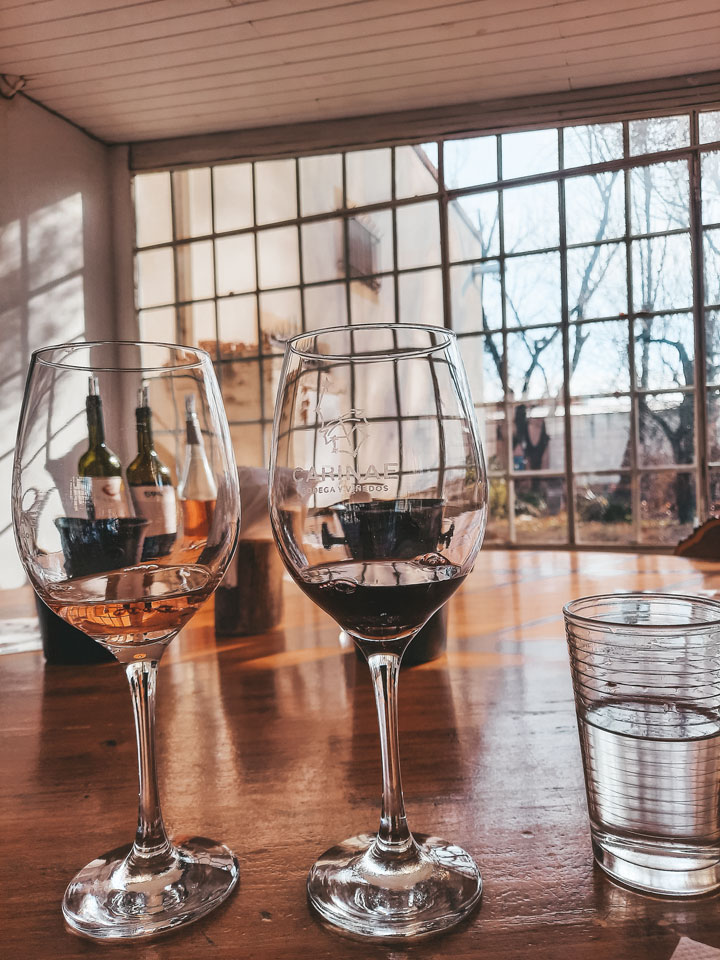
(56,262)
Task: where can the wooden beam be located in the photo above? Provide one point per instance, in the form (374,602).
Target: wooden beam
(590,105)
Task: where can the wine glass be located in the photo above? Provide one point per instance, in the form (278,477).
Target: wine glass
(120,562)
(378,499)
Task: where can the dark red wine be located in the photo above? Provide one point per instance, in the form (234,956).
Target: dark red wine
(382,599)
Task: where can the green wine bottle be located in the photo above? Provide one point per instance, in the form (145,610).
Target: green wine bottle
(151,487)
(100,492)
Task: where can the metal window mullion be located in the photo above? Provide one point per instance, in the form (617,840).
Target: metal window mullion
(702,479)
(258,325)
(444,239)
(565,330)
(346,239)
(176,286)
(509,482)
(215,275)
(396,378)
(635,498)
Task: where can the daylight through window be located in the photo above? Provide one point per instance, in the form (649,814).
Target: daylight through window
(579,266)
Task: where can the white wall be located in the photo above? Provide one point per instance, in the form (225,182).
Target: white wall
(57,276)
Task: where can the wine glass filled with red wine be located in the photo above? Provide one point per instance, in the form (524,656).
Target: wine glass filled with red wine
(378,501)
(126,512)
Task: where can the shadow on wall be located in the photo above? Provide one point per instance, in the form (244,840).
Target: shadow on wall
(55,264)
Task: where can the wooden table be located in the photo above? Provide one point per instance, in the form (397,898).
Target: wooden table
(269,743)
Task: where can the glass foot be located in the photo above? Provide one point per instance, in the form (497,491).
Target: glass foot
(431,887)
(658,868)
(105,901)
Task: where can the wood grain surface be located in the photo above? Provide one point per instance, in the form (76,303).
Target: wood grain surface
(269,744)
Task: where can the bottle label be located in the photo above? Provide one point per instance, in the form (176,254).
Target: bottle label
(158,506)
(98,498)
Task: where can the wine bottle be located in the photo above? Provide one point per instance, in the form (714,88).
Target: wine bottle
(99,493)
(151,487)
(197,490)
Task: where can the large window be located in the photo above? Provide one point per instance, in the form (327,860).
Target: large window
(579,266)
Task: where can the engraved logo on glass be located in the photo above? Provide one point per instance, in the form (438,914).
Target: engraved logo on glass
(345,434)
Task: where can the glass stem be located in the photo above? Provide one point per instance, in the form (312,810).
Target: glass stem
(151,841)
(394,834)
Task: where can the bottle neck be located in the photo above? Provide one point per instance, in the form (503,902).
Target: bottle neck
(192,432)
(144,431)
(95,422)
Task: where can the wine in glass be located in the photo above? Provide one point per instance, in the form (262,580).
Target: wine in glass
(378,499)
(111,559)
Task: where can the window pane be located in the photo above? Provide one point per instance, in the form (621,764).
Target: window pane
(370,243)
(710,186)
(473,226)
(603,509)
(600,433)
(153,211)
(155,277)
(421,435)
(323,250)
(247,443)
(712,345)
(592,144)
(325,306)
(320,184)
(418,235)
(470,162)
(421,299)
(197,325)
(662,273)
(491,422)
(709,126)
(280,318)
(666,429)
(659,197)
(272,368)
(483,357)
(532,289)
(667,507)
(278,264)
(193,207)
(659,133)
(497,530)
(597,281)
(233,195)
(538,437)
(158,325)
(595,207)
(530,216)
(534,151)
(715,492)
(374,389)
(711,250)
(196,279)
(540,510)
(235,264)
(416,170)
(372,302)
(367,175)
(535,365)
(713,425)
(276,191)
(665,352)
(241,393)
(598,354)
(237,327)
(473,289)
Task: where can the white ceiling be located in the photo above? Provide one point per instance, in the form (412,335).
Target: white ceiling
(128,70)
